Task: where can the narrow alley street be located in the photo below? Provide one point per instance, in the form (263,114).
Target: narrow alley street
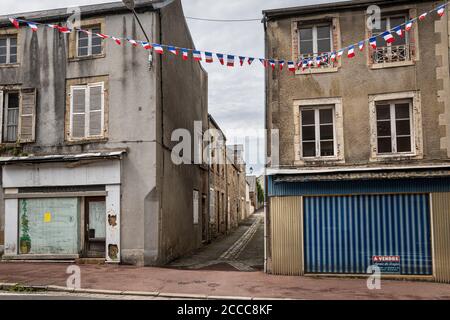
(242,250)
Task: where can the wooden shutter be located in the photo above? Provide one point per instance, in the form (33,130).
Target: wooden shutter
(95,110)
(78,112)
(27,116)
(2,109)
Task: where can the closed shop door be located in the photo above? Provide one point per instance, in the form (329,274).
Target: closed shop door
(347,234)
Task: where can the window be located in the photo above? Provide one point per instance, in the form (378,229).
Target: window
(17,115)
(400,49)
(90,43)
(317,132)
(8,50)
(394,127)
(87,111)
(315,40)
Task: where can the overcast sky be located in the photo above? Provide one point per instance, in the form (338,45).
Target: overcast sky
(236,95)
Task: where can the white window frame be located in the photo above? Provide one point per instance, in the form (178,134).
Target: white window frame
(87,112)
(416,125)
(338,128)
(393,121)
(8,49)
(89,47)
(315,39)
(317,131)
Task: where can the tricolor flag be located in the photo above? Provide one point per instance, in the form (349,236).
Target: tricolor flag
(15,22)
(351,52)
(241,60)
(409,26)
(441,11)
(388,37)
(117,40)
(340,53)
(318,61)
(158,48)
(63,29)
(333,57)
(185,54)
(173,50)
(310,62)
(361,45)
(197,55)
(304,64)
(220,57)
(209,57)
(53,26)
(373,42)
(264,62)
(291,66)
(423,16)
(101,35)
(133,42)
(250,60)
(272,64)
(146,45)
(32,26)
(230,60)
(85,31)
(398,30)
(281,64)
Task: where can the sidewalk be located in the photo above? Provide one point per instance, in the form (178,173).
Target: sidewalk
(216,283)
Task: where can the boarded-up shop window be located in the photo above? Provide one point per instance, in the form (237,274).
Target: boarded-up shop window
(49,226)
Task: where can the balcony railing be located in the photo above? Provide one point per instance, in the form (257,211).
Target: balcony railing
(391,54)
(325,61)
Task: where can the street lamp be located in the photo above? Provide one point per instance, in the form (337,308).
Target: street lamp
(130,4)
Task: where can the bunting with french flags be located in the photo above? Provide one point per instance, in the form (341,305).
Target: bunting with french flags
(220,56)
(15,23)
(197,55)
(323,58)
(209,57)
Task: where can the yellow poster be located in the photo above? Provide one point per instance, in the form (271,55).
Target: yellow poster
(47,217)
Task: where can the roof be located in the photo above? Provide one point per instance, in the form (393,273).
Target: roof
(88,10)
(215,124)
(332,7)
(117,154)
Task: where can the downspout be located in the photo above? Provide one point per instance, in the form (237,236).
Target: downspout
(266,198)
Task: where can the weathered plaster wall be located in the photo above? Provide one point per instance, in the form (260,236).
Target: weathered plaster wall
(183,91)
(132,111)
(355,82)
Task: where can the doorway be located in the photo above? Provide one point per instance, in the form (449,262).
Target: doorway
(95,222)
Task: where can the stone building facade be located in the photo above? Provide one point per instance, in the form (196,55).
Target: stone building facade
(360,139)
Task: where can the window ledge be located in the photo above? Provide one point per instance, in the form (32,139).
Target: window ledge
(319,70)
(92,57)
(9,65)
(396,157)
(319,161)
(376,66)
(86,141)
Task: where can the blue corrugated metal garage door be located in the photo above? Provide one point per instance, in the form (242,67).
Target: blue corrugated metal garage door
(342,234)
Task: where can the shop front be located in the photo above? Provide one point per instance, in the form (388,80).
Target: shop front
(63,209)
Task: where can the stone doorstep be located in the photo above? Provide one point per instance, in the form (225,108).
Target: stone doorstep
(134,293)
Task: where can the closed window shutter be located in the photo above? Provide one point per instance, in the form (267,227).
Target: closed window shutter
(78,113)
(27,116)
(95,110)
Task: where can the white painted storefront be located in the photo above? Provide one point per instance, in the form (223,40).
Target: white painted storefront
(55,198)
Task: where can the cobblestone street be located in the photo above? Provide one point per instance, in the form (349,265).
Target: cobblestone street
(242,250)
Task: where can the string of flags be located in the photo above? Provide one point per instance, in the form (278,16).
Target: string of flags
(229,59)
